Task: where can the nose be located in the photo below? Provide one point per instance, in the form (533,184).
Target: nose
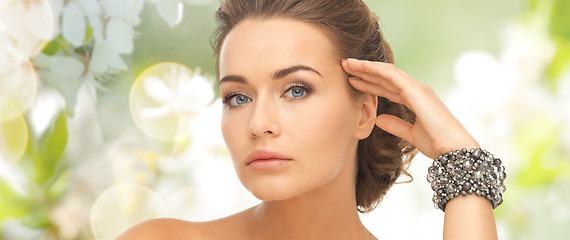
(264,119)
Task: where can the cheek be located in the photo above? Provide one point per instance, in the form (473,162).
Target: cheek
(331,116)
(324,128)
(234,130)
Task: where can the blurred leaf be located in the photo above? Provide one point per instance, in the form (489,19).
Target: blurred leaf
(39,218)
(536,5)
(81,50)
(27,161)
(51,48)
(60,186)
(533,4)
(12,204)
(560,19)
(560,62)
(560,32)
(51,147)
(536,142)
(88,34)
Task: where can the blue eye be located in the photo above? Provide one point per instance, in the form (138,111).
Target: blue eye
(235,100)
(295,92)
(241,99)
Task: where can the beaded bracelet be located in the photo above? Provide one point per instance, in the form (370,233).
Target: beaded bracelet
(464,172)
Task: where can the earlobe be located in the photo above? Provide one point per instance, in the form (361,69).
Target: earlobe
(366,123)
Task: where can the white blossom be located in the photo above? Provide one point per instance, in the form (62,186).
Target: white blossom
(73,24)
(112,23)
(198,2)
(170,11)
(66,74)
(27,24)
(178,91)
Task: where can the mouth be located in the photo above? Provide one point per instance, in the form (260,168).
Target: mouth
(264,159)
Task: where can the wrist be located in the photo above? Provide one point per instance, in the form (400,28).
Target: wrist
(463,172)
(467,144)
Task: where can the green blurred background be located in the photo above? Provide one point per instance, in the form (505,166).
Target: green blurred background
(503,67)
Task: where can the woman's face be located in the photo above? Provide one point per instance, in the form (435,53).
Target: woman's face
(289,118)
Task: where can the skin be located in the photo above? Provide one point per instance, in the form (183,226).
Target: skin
(312,196)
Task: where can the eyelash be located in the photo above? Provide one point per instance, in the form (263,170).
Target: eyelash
(301,85)
(227,98)
(308,90)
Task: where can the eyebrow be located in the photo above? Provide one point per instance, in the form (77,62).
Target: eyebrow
(275,76)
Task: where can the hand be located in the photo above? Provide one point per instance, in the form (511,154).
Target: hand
(436,130)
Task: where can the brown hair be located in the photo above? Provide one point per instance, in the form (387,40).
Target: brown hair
(382,157)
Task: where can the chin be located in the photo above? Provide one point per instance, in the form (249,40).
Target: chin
(271,195)
(266,191)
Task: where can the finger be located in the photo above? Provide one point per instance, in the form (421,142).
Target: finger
(418,97)
(375,89)
(386,71)
(372,78)
(377,80)
(395,126)
(413,94)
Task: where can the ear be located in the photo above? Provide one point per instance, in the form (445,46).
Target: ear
(368,105)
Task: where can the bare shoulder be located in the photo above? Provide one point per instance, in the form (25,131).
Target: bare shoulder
(230,227)
(166,228)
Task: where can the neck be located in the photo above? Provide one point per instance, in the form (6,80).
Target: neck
(328,212)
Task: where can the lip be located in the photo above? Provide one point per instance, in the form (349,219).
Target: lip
(263,159)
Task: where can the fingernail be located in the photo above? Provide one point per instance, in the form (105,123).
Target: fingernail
(351,59)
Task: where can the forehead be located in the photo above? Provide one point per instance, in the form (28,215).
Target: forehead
(267,44)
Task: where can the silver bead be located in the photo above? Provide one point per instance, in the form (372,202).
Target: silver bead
(439,171)
(466,186)
(457,175)
(497,162)
(435,185)
(464,172)
(477,153)
(468,163)
(485,166)
(503,175)
(435,199)
(478,175)
(450,188)
(430,177)
(445,178)
(502,189)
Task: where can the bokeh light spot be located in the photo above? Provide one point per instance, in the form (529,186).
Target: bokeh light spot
(165,97)
(122,206)
(18,83)
(183,204)
(28,25)
(13,134)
